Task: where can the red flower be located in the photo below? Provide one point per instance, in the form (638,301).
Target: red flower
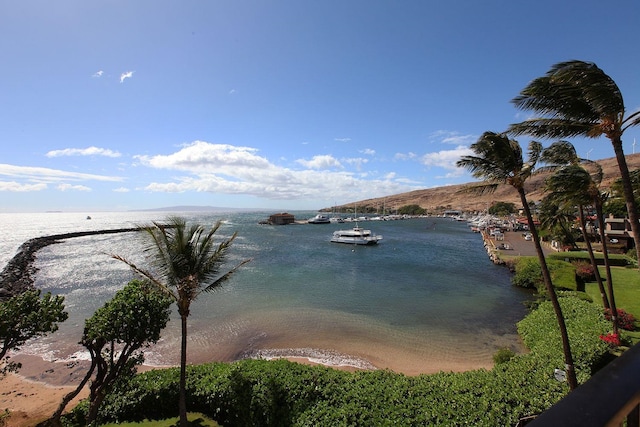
(612,339)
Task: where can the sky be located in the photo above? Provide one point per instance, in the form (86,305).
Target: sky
(115,105)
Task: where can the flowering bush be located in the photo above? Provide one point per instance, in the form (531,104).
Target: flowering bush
(624,320)
(612,339)
(584,271)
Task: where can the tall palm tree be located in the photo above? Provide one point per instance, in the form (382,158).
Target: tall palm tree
(574,184)
(185,263)
(570,186)
(554,218)
(498,160)
(576,98)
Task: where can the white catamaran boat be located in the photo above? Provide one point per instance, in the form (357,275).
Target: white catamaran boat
(356,236)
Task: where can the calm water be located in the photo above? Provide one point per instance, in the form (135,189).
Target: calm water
(426,298)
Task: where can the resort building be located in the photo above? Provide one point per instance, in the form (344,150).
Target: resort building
(618,230)
(281,219)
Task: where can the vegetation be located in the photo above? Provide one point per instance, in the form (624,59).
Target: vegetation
(502,208)
(498,159)
(283,393)
(528,274)
(411,210)
(187,263)
(113,336)
(26,316)
(576,98)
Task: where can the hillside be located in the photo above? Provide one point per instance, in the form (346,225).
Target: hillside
(453,196)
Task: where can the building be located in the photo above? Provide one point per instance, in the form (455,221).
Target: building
(281,219)
(618,230)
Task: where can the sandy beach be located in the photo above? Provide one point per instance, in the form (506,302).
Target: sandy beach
(35,392)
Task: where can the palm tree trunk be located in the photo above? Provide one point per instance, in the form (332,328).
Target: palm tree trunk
(546,276)
(632,207)
(592,258)
(182,405)
(607,265)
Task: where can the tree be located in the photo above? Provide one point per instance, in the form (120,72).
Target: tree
(577,98)
(26,316)
(411,210)
(558,221)
(186,263)
(572,185)
(502,208)
(114,335)
(498,160)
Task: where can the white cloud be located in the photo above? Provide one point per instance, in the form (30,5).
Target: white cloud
(446,158)
(342,139)
(16,187)
(69,187)
(368,151)
(452,137)
(98,74)
(356,161)
(126,75)
(232,91)
(227,169)
(90,151)
(405,156)
(121,190)
(50,175)
(321,162)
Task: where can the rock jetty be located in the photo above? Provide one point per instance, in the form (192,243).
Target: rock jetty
(17,275)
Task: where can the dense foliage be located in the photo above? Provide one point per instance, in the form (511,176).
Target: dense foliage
(282,393)
(411,210)
(27,316)
(502,208)
(529,275)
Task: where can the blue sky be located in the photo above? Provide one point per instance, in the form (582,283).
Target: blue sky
(283,105)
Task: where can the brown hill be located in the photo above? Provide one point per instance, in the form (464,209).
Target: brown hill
(437,199)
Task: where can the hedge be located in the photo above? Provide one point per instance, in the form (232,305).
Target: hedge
(283,393)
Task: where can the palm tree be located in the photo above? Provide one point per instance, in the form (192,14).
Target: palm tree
(186,263)
(569,187)
(573,184)
(577,98)
(498,160)
(558,221)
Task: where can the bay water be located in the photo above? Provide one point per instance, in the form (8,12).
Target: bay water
(425,299)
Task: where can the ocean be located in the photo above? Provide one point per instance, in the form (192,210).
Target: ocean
(425,299)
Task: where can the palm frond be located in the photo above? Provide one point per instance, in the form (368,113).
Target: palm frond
(147,275)
(552,128)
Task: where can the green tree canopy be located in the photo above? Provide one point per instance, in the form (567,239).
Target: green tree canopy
(411,210)
(502,208)
(114,336)
(26,316)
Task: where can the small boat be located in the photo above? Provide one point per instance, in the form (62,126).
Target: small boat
(319,219)
(356,236)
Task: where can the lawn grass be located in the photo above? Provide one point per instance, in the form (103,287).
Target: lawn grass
(195,420)
(626,288)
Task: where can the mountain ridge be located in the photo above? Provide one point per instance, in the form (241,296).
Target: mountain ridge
(453,197)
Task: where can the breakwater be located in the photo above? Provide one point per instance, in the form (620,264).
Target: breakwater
(17,275)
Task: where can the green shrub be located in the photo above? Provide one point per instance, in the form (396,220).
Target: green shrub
(528,274)
(585,323)
(503,355)
(283,393)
